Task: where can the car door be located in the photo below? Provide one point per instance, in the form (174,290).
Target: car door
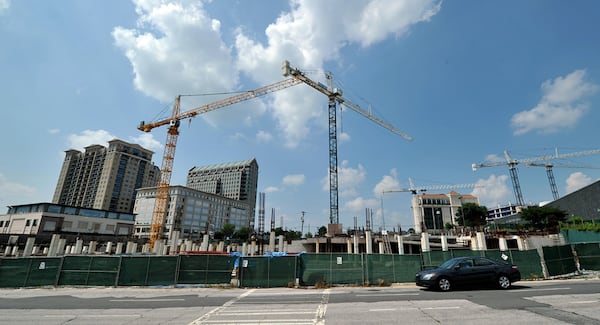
(484,270)
(464,272)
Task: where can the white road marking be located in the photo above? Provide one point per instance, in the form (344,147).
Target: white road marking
(145,300)
(543,289)
(387,294)
(203,318)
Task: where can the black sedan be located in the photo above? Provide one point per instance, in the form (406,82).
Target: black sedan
(470,270)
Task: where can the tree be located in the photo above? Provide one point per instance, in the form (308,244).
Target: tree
(544,218)
(473,215)
(227,230)
(242,235)
(322,231)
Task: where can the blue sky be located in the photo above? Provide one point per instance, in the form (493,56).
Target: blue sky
(467,79)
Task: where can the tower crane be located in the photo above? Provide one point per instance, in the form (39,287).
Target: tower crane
(417,216)
(512,167)
(549,172)
(335,96)
(162,191)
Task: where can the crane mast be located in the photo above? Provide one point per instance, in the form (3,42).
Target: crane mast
(334,96)
(534,161)
(162,192)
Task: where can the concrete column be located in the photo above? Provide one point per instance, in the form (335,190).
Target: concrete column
(53,248)
(369,242)
(15,251)
(29,247)
(45,251)
(158,247)
(502,244)
(67,251)
(175,240)
(356,239)
(400,244)
(146,248)
(119,248)
(281,248)
(78,246)
(211,247)
(60,248)
(7,250)
(36,250)
(481,244)
(317,245)
(164,250)
(381,248)
(108,249)
(521,243)
(204,245)
(92,247)
(271,241)
(425,246)
(253,248)
(349,246)
(444,240)
(244,249)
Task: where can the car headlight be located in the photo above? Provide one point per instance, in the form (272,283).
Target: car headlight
(428,276)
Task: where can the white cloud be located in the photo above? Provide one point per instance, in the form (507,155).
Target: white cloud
(349,179)
(358,205)
(492,191)
(562,105)
(177,48)
(297,179)
(89,137)
(271,189)
(388,182)
(264,136)
(576,181)
(343,137)
(147,141)
(10,191)
(53,131)
(4,5)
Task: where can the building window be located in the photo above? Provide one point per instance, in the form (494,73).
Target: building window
(27,222)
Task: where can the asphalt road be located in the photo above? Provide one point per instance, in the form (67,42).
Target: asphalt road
(540,302)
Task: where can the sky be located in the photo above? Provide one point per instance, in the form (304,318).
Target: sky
(467,80)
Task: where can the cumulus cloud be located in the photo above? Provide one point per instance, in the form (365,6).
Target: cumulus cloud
(343,137)
(492,191)
(177,47)
(562,105)
(271,189)
(576,181)
(264,136)
(388,182)
(14,191)
(358,205)
(147,141)
(349,179)
(89,137)
(297,179)
(4,5)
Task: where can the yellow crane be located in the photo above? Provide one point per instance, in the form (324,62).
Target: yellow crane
(162,191)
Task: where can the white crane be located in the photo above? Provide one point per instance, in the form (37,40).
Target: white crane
(549,172)
(512,167)
(415,207)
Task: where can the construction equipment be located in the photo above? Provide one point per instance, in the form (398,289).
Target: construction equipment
(162,192)
(549,165)
(415,207)
(512,167)
(335,96)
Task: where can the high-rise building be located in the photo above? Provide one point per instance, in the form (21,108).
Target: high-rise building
(234,180)
(105,178)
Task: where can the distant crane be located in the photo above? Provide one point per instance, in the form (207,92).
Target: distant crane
(417,216)
(512,167)
(335,96)
(548,165)
(162,191)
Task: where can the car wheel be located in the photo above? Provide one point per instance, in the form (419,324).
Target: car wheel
(444,284)
(503,282)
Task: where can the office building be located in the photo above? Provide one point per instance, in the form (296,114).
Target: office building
(39,219)
(584,203)
(105,178)
(191,212)
(234,180)
(433,211)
